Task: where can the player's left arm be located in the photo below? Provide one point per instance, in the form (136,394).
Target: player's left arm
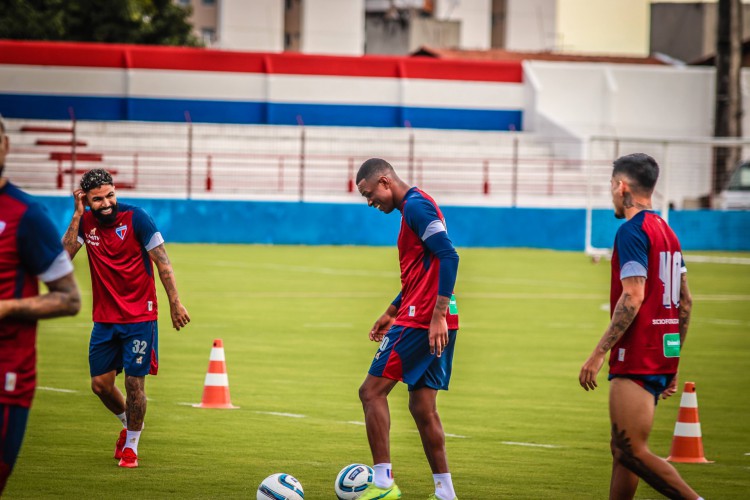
(423,219)
(684,309)
(179,314)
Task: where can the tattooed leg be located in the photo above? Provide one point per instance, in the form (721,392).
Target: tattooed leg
(632,415)
(136,401)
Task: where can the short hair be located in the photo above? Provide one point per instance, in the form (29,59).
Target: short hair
(373,166)
(641,169)
(95,178)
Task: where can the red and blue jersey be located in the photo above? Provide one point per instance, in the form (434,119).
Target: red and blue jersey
(646,246)
(30,249)
(122,275)
(428,262)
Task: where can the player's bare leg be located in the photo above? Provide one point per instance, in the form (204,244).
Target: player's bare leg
(423,407)
(105,388)
(136,402)
(631,410)
(374,396)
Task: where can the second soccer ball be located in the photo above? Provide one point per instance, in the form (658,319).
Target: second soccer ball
(352,481)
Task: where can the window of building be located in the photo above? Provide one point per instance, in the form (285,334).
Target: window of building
(209,2)
(209,36)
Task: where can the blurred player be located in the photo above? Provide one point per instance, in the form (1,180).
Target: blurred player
(29,249)
(120,239)
(417,333)
(650,306)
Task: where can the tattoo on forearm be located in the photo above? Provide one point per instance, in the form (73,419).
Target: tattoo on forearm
(624,454)
(686,307)
(63,299)
(70,240)
(621,320)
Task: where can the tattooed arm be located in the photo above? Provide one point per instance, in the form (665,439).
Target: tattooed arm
(63,299)
(70,238)
(686,307)
(180,317)
(627,308)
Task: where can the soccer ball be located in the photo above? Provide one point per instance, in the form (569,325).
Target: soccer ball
(280,487)
(352,481)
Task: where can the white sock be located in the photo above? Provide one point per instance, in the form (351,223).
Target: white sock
(383,475)
(123,417)
(132,440)
(444,486)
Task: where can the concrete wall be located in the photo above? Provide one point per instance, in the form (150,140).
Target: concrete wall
(531,25)
(255,26)
(333,27)
(475,17)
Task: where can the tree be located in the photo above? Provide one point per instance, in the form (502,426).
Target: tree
(152,22)
(728,109)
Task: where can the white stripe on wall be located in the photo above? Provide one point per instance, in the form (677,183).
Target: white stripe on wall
(21,79)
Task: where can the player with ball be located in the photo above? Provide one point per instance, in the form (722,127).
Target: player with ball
(417,332)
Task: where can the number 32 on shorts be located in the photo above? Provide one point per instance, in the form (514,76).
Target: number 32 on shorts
(139,346)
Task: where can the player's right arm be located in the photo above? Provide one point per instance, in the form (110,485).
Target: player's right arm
(385,321)
(70,240)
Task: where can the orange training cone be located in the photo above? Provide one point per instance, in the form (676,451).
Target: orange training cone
(687,443)
(216,386)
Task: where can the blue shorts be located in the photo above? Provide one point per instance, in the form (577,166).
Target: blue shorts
(13,420)
(404,354)
(132,346)
(655,384)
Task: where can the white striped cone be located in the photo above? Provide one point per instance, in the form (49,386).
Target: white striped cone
(216,386)
(687,443)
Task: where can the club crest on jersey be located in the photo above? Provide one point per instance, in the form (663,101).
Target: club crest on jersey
(120,231)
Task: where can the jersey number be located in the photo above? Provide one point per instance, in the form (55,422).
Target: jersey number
(139,346)
(670,266)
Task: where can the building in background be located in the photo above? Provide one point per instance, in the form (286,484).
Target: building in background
(687,31)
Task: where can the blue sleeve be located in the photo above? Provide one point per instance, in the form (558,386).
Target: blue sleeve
(632,249)
(38,240)
(397,301)
(145,230)
(422,217)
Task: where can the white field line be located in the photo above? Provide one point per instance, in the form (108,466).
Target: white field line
(354,422)
(533,445)
(55,389)
(328,325)
(743,261)
(280,414)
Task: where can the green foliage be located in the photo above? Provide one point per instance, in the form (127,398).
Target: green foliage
(152,22)
(294,321)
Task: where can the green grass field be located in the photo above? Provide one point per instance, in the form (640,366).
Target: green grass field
(294,321)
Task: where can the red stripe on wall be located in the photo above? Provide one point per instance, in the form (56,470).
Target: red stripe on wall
(192,59)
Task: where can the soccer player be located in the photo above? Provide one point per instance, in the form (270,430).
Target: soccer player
(30,250)
(121,241)
(417,332)
(650,305)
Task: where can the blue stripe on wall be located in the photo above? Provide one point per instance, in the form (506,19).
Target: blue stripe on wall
(209,221)
(50,107)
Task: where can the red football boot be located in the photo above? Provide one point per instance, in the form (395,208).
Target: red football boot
(129,459)
(120,443)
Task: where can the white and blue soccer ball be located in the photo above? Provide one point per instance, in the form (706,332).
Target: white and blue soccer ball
(352,481)
(280,487)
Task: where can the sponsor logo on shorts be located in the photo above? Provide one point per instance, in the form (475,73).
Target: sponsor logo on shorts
(139,360)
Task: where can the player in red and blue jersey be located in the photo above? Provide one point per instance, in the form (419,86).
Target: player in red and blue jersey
(417,333)
(121,242)
(30,251)
(650,308)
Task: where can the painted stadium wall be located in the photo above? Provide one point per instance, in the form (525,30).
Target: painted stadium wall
(43,80)
(294,223)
